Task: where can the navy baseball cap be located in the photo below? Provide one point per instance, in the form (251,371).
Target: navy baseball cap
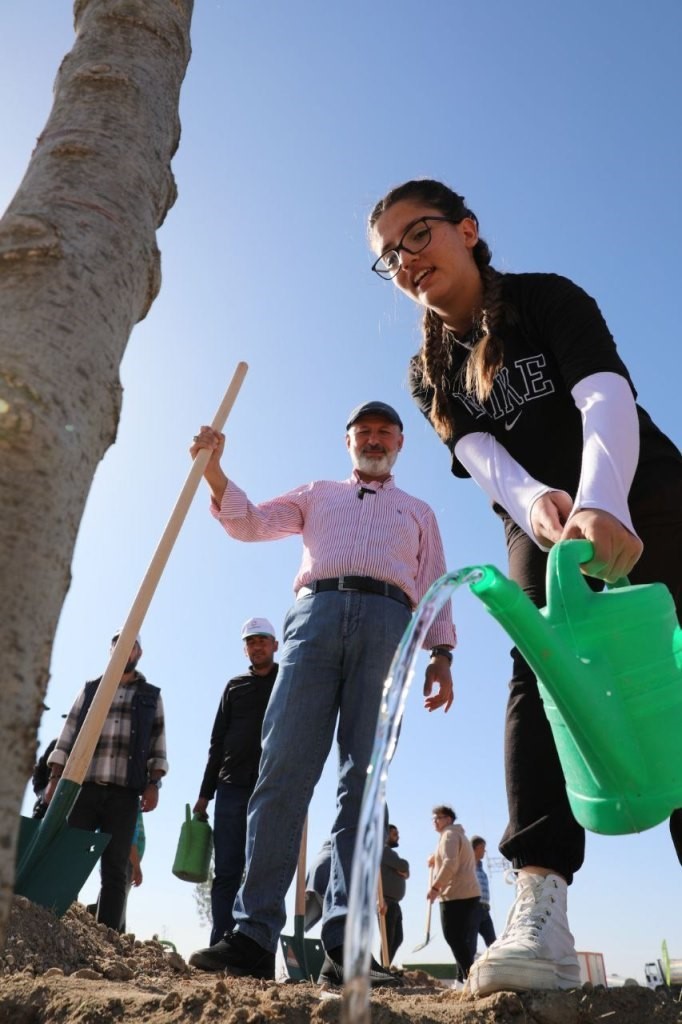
(376,408)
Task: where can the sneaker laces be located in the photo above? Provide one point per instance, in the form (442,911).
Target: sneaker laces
(530,911)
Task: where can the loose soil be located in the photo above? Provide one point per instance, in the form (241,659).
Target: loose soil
(74,971)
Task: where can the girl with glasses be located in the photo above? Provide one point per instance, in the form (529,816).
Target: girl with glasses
(521,379)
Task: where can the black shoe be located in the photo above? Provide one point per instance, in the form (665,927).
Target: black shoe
(237,955)
(332,971)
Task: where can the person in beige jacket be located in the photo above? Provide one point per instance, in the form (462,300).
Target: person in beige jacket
(454,884)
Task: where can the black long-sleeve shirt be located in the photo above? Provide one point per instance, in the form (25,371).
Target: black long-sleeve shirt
(235,747)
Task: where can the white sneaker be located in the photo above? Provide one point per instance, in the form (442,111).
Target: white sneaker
(536,948)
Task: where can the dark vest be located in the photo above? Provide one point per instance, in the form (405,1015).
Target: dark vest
(143,712)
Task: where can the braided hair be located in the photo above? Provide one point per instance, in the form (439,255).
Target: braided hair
(435,354)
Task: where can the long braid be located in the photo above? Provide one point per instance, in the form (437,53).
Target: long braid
(484,360)
(487,354)
(436,362)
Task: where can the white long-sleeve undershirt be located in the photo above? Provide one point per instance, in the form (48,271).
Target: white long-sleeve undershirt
(609,456)
(610,444)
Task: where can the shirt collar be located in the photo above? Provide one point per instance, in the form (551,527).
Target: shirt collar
(355,480)
(274,668)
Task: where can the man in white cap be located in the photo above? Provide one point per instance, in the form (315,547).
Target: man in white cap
(370,552)
(124,774)
(232,767)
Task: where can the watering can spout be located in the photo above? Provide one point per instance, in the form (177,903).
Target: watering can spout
(609,669)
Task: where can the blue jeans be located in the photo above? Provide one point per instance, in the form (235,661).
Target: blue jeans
(337,651)
(229,843)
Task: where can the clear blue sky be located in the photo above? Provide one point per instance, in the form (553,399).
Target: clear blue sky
(560,124)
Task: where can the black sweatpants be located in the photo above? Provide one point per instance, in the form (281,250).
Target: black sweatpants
(542,829)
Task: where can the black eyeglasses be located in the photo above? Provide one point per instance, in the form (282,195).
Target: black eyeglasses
(416,237)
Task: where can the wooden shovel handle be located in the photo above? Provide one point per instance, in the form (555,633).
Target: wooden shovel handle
(429,906)
(385,959)
(86,741)
(299,902)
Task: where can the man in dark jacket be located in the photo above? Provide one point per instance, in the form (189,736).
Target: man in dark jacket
(232,768)
(394,872)
(124,774)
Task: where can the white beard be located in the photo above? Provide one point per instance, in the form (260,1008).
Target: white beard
(374,467)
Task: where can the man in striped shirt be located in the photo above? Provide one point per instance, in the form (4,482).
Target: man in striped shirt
(124,774)
(370,552)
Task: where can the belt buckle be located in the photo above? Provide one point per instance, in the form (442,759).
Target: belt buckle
(342,584)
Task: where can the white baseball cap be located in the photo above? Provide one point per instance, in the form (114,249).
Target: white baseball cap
(138,639)
(258,627)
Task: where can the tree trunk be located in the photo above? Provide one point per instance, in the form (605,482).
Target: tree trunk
(79,266)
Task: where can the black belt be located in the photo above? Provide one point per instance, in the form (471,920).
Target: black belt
(365,584)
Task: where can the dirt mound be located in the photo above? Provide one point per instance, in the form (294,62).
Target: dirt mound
(74,971)
(37,941)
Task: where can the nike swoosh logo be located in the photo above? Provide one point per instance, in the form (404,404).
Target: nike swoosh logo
(508,426)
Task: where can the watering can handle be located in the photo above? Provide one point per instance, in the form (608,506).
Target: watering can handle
(617,584)
(567,587)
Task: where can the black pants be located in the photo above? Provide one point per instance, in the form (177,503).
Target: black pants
(542,829)
(394,927)
(112,809)
(459,920)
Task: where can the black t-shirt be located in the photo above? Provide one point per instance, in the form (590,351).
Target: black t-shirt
(553,336)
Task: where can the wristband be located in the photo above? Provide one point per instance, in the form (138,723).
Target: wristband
(442,652)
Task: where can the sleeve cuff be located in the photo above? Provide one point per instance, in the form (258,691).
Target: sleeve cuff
(234,504)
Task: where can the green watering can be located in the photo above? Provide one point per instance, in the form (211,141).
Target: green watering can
(609,667)
(195,846)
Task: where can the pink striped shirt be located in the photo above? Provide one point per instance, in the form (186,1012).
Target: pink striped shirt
(389,535)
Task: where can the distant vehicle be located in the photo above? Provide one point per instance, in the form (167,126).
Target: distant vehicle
(655,973)
(619,981)
(592,968)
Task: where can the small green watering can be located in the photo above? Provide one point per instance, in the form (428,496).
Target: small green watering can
(609,667)
(195,846)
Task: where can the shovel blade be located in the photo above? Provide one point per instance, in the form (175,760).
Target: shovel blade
(303,958)
(422,945)
(55,879)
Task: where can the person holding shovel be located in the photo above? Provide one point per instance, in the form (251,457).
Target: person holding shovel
(455,886)
(370,552)
(520,378)
(395,871)
(232,767)
(125,773)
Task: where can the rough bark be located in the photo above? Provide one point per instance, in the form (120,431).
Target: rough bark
(79,266)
